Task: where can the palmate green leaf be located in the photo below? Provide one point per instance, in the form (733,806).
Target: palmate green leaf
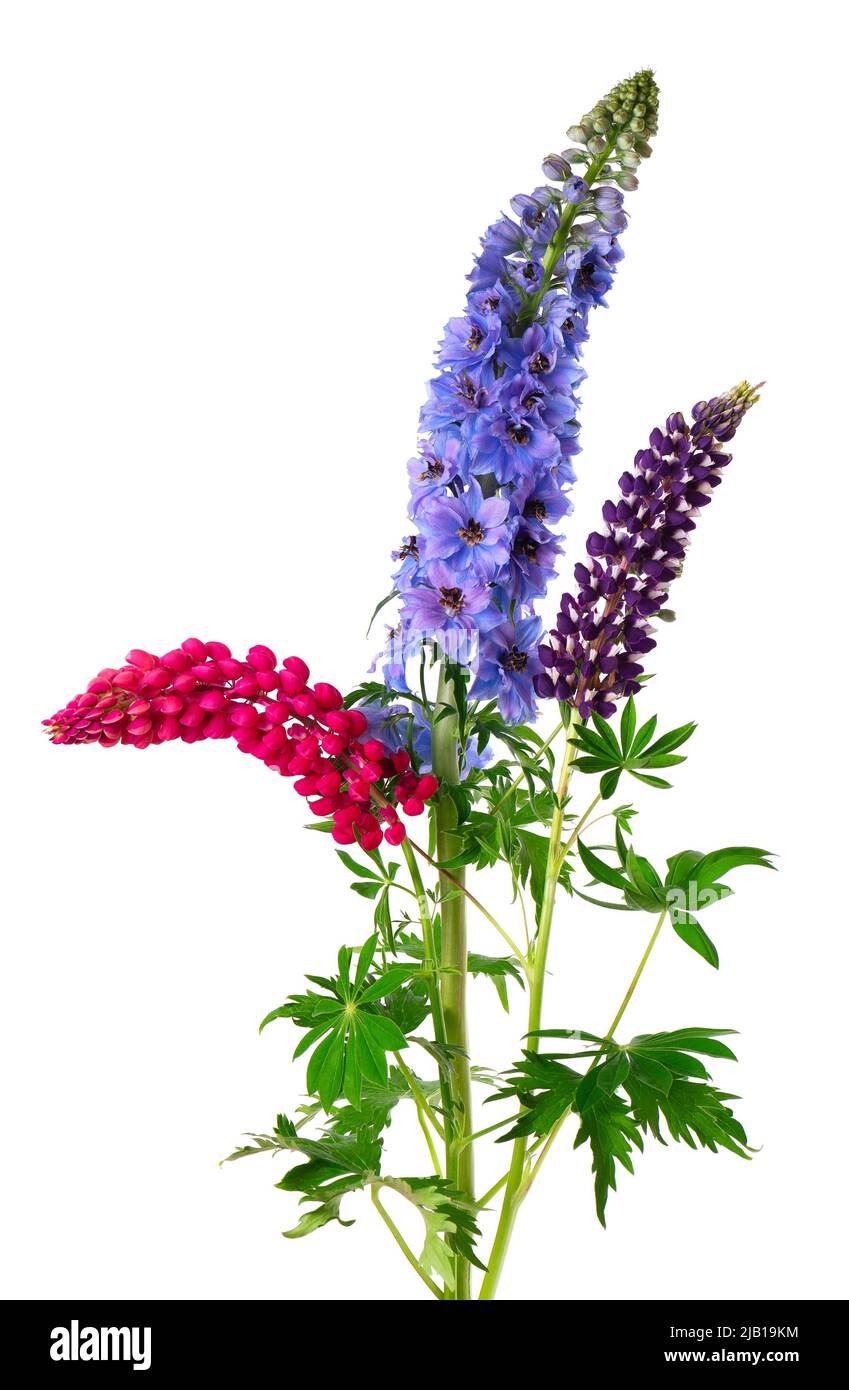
(634,753)
(629,1089)
(693,882)
(348,1027)
(329,1156)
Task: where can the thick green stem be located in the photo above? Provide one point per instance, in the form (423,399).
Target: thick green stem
(431,967)
(452,982)
(513,1191)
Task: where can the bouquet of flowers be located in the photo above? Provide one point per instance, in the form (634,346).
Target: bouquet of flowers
(444,736)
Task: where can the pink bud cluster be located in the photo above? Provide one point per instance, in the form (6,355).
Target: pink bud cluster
(199,691)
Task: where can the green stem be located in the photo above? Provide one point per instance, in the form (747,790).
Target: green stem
(557,245)
(496,1188)
(431,966)
(418,1094)
(403,1246)
(636,980)
(521,777)
(452,984)
(461,887)
(513,1189)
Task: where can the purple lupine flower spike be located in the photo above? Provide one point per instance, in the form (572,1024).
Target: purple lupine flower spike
(604,627)
(499,429)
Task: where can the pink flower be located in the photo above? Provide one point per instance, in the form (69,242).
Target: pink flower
(199,691)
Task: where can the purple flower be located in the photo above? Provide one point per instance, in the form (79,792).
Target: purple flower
(456,398)
(470,341)
(507,665)
(512,446)
(470,531)
(575,191)
(430,474)
(604,627)
(448,601)
(533,564)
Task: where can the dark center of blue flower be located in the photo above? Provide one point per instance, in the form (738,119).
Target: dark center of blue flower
(433,471)
(409,549)
(519,433)
(537,510)
(472,533)
(526,545)
(529,270)
(584,277)
(475,337)
(539,363)
(466,388)
(514,660)
(452,600)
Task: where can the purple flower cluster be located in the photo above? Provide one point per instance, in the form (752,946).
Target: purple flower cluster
(499,430)
(605,627)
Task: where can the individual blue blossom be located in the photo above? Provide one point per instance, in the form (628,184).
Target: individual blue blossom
(534,556)
(542,503)
(431,473)
(575,191)
(512,445)
(446,601)
(470,341)
(470,531)
(507,665)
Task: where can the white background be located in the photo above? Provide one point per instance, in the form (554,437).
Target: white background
(232,234)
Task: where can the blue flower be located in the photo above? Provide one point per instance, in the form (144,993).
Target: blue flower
(512,446)
(457,397)
(470,531)
(470,341)
(507,666)
(533,564)
(447,601)
(431,473)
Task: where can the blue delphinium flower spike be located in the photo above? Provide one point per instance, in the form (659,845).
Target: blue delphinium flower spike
(499,430)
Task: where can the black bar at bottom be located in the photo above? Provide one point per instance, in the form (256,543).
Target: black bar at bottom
(150,1338)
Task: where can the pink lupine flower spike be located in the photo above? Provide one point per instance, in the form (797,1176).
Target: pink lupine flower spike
(199,691)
